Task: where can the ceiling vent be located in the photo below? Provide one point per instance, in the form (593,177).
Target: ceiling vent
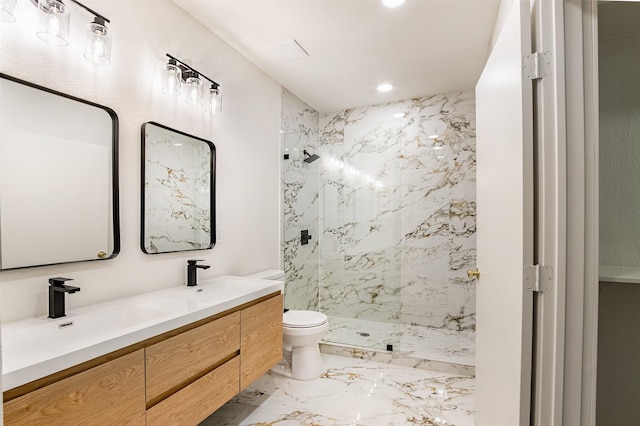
(289,51)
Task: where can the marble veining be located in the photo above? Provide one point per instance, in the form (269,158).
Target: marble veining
(391,207)
(353,392)
(299,129)
(177,192)
(397,202)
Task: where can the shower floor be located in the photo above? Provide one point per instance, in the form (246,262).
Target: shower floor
(409,341)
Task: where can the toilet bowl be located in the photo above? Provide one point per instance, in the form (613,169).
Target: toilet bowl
(302,332)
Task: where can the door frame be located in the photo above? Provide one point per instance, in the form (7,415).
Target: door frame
(581,325)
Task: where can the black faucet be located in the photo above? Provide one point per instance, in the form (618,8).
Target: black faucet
(57,289)
(191,272)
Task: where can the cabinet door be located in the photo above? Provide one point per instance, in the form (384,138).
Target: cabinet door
(261,332)
(174,362)
(113,390)
(194,403)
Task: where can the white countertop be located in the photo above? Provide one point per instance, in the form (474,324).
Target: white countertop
(37,347)
(620,274)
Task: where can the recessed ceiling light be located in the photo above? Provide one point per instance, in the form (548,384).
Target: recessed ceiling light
(393,3)
(384,87)
(399,115)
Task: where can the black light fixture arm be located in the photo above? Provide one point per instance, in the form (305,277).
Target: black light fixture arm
(94,13)
(190,68)
(91,11)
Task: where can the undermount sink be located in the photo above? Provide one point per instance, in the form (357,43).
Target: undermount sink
(37,347)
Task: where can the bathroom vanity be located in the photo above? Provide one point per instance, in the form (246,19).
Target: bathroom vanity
(179,376)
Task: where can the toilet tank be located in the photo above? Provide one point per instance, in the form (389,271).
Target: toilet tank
(270,274)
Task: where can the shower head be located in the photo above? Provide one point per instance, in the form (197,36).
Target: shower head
(310,158)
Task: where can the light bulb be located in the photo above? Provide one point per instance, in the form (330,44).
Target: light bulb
(98,48)
(214,102)
(194,90)
(53,22)
(172,78)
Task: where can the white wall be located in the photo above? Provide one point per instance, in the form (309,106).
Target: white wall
(619,65)
(246,137)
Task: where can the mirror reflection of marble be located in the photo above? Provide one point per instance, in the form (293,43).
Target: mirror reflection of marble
(178,191)
(58,177)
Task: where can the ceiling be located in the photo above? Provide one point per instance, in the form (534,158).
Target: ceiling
(422,47)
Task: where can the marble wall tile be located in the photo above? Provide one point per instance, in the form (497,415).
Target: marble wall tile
(398,201)
(392,201)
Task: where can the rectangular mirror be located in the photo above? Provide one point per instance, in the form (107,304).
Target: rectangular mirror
(178,191)
(58,177)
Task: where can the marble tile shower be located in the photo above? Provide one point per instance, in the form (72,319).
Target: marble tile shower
(392,201)
(397,203)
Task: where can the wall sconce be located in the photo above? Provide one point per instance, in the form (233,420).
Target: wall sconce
(53,27)
(177,72)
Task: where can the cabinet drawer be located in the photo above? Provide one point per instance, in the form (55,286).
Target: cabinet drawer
(177,360)
(261,346)
(194,403)
(113,390)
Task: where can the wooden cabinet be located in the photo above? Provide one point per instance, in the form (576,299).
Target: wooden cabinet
(178,378)
(113,390)
(194,403)
(179,360)
(261,346)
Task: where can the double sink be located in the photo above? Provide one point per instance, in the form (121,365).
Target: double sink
(35,348)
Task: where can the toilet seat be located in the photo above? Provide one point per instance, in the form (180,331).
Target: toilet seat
(303,319)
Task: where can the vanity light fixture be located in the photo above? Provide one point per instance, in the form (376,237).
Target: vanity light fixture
(177,72)
(53,27)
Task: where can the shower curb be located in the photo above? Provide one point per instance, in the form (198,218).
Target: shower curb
(397,359)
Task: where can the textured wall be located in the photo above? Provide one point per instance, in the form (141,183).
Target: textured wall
(246,136)
(619,65)
(397,207)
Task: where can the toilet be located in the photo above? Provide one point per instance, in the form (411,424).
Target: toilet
(302,331)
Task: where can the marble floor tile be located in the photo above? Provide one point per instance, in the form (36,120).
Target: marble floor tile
(353,392)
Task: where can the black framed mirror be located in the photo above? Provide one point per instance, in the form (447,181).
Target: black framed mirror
(178,191)
(58,177)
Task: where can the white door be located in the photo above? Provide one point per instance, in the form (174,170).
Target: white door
(505,228)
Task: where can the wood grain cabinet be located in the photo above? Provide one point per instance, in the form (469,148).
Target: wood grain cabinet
(261,346)
(178,378)
(113,390)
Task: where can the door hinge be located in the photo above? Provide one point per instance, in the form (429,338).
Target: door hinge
(537,65)
(538,278)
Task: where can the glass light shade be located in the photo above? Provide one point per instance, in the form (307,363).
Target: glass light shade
(194,91)
(98,48)
(6,10)
(53,22)
(172,78)
(214,101)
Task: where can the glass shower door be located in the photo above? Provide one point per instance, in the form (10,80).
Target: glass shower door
(360,238)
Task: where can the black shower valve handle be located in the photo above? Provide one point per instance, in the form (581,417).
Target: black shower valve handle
(304,237)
